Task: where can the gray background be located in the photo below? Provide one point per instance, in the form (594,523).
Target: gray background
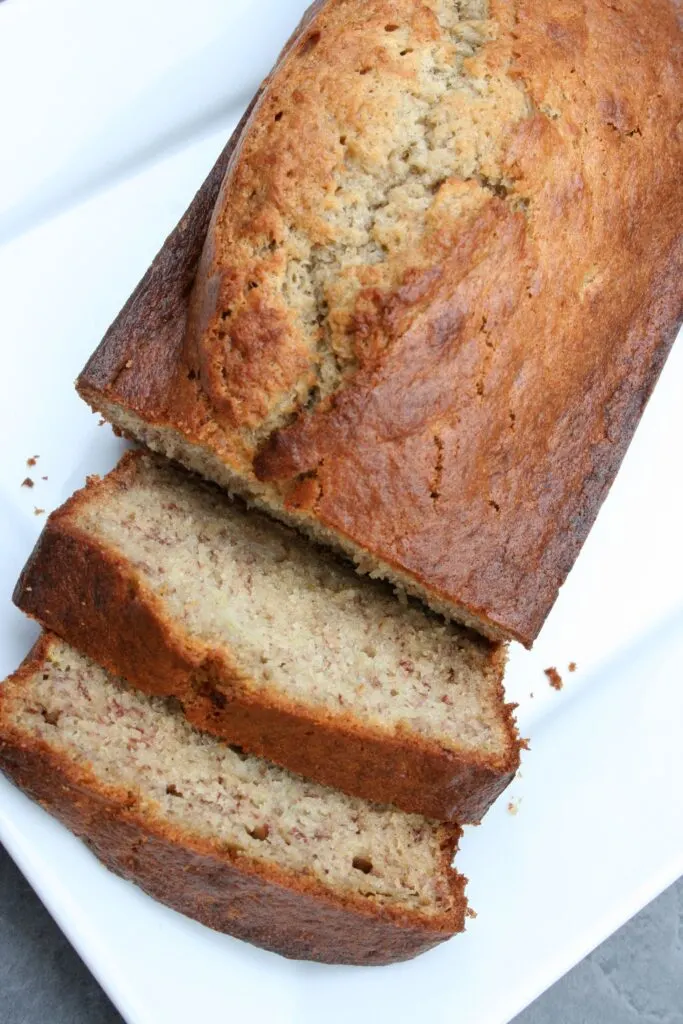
(637,975)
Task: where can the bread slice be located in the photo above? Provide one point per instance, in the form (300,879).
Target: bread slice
(240,845)
(273,644)
(419,306)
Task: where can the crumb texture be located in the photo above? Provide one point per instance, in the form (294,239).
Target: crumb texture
(293,619)
(242,804)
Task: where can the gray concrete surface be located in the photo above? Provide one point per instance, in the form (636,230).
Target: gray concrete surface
(637,975)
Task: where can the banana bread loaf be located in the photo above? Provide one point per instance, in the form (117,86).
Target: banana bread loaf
(240,845)
(418,307)
(273,644)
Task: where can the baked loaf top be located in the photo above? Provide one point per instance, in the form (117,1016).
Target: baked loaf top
(441,277)
(272,643)
(229,839)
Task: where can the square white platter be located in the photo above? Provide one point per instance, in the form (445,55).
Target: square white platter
(598,828)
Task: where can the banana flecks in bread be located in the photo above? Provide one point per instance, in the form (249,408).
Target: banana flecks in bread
(242,804)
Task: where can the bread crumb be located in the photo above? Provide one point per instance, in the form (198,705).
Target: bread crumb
(38,511)
(27,482)
(513,806)
(531,695)
(470,913)
(129,364)
(572,666)
(32,461)
(554,678)
(101,422)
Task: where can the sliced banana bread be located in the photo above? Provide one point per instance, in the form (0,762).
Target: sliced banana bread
(272,643)
(229,839)
(419,306)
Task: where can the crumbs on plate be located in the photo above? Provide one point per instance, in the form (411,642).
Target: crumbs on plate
(554,678)
(38,511)
(32,461)
(27,482)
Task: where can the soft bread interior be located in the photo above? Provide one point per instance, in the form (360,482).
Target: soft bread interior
(239,803)
(294,619)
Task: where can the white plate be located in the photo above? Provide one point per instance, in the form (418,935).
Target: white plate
(93,89)
(599,828)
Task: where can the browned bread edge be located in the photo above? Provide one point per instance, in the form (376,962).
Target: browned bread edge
(140,367)
(92,598)
(294,916)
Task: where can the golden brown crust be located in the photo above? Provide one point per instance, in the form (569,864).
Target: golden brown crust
(495,386)
(295,917)
(93,599)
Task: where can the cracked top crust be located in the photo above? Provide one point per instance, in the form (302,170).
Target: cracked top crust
(442,275)
(379,142)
